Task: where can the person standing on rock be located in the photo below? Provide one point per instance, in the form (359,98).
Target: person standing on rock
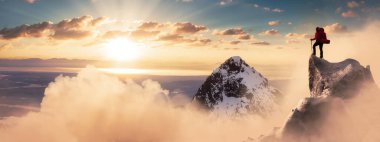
(318,42)
(321,38)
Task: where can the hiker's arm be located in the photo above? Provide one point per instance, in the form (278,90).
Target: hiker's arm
(315,37)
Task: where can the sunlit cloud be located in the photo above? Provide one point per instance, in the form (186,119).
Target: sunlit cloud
(149,25)
(261,43)
(188,28)
(274,23)
(349,14)
(292,41)
(235,42)
(142,34)
(296,35)
(5,46)
(335,28)
(245,37)
(75,28)
(270,32)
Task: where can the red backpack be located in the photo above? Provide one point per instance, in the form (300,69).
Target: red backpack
(324,39)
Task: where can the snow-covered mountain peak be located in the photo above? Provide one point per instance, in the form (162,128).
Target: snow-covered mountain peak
(234,88)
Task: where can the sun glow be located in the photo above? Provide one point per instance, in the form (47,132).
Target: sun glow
(121,49)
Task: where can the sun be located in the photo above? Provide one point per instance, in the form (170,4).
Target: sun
(121,49)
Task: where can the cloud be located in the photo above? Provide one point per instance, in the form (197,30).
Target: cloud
(115,34)
(35,30)
(245,37)
(352,4)
(298,36)
(277,10)
(232,31)
(75,28)
(188,28)
(97,107)
(224,2)
(335,28)
(70,34)
(201,42)
(235,42)
(5,47)
(292,41)
(142,34)
(349,14)
(30,1)
(274,23)
(269,32)
(175,39)
(186,0)
(150,25)
(268,9)
(261,43)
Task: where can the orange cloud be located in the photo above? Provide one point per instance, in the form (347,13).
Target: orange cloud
(142,34)
(335,28)
(296,35)
(245,37)
(274,23)
(150,25)
(75,28)
(35,30)
(187,27)
(232,31)
(269,32)
(261,43)
(236,42)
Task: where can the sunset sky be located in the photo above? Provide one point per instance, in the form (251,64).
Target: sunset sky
(175,34)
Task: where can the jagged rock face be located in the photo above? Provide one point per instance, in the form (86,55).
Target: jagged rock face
(310,117)
(235,89)
(331,84)
(342,79)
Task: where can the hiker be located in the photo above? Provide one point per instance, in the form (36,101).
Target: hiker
(319,36)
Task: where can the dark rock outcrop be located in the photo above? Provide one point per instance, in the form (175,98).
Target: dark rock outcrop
(343,79)
(330,84)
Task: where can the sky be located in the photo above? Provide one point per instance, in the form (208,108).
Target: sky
(175,34)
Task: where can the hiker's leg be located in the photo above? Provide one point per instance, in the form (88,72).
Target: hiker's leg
(315,44)
(321,49)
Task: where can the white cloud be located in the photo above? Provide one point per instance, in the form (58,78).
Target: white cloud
(277,10)
(274,23)
(224,2)
(97,107)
